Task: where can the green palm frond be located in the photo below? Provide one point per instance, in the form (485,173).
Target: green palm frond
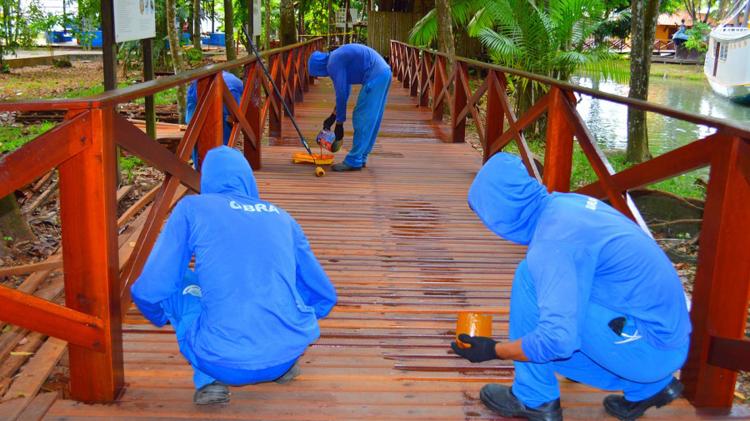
(424,31)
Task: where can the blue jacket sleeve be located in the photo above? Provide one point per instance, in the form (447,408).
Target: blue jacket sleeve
(313,284)
(192,101)
(166,265)
(561,298)
(343,89)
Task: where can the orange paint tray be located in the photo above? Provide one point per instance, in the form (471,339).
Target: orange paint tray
(305,158)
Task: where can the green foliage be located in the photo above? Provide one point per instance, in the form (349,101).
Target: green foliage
(12,138)
(193,55)
(127,166)
(86,21)
(697,36)
(516,33)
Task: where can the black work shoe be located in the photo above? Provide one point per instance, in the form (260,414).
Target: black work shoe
(336,145)
(502,400)
(211,393)
(342,166)
(289,375)
(618,406)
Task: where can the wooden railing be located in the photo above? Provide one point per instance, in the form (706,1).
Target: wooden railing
(98,275)
(722,285)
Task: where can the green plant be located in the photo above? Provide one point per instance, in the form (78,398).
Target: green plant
(697,36)
(12,138)
(194,55)
(128,164)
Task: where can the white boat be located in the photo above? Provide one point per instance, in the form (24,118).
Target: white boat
(727,65)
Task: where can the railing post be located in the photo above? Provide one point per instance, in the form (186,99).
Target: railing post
(558,154)
(437,88)
(414,72)
(722,282)
(211,134)
(424,84)
(275,110)
(88,212)
(252,114)
(495,113)
(459,102)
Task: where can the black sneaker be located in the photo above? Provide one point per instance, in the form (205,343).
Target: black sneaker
(211,394)
(502,400)
(618,406)
(342,166)
(289,375)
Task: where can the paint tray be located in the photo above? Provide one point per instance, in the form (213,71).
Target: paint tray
(305,158)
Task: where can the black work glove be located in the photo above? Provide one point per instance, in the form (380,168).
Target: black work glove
(482,348)
(339,131)
(327,123)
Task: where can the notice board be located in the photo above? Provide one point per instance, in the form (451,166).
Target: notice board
(134,19)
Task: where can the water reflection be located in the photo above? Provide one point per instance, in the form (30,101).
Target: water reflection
(608,120)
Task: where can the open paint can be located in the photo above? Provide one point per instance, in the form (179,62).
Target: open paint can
(473,324)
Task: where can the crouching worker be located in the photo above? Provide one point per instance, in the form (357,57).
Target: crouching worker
(251,307)
(354,64)
(595,300)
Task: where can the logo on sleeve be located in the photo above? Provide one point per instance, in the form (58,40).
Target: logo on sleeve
(591,203)
(258,207)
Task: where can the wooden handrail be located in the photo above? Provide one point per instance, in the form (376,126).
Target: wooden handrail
(729,126)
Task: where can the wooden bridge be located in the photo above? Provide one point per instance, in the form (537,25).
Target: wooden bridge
(397,239)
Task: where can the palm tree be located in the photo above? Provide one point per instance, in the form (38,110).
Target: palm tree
(546,39)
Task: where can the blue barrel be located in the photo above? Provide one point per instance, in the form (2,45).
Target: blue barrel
(217,38)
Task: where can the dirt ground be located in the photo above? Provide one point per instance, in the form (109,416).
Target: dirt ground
(47,81)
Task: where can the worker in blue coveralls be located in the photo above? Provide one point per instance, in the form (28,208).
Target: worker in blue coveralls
(251,307)
(235,87)
(354,64)
(595,300)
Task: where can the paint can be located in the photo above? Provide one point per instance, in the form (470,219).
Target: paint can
(473,324)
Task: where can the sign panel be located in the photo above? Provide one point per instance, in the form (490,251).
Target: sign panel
(134,19)
(256,18)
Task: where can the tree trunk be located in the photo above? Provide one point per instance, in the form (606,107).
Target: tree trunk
(446,43)
(643,30)
(287,27)
(176,53)
(268,24)
(13,226)
(196,23)
(229,30)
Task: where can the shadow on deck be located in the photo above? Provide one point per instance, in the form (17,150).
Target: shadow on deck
(405,253)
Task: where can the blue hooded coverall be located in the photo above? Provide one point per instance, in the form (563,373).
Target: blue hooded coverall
(586,264)
(357,64)
(252,305)
(235,87)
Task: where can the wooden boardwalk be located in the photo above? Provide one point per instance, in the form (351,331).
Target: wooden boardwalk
(406,253)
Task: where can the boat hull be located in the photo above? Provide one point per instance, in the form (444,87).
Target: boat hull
(737,93)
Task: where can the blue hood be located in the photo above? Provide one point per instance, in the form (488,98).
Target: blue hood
(318,64)
(226,171)
(507,199)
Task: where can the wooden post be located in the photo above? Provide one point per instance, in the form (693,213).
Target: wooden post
(495,113)
(211,134)
(148,74)
(253,75)
(88,211)
(424,84)
(459,102)
(558,154)
(406,66)
(287,85)
(276,109)
(109,55)
(414,73)
(722,283)
(437,89)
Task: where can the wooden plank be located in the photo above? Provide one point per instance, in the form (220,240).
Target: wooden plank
(44,153)
(212,129)
(38,406)
(88,209)
(54,262)
(732,354)
(558,160)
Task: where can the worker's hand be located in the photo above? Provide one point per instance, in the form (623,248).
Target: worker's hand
(482,348)
(339,131)
(327,123)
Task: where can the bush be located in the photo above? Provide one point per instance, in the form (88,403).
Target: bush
(697,37)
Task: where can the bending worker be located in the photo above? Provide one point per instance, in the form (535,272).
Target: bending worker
(251,307)
(354,64)
(595,300)
(235,87)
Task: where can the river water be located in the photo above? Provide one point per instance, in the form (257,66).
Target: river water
(608,121)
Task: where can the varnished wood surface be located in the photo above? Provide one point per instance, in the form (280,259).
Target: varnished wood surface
(405,252)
